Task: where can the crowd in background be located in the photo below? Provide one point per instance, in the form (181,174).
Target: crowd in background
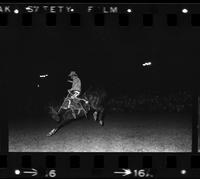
(180,101)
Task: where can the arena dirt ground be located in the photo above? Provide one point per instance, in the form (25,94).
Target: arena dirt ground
(121,133)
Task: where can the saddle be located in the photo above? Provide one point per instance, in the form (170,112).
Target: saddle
(75,105)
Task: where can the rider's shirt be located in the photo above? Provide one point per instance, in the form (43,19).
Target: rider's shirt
(76,84)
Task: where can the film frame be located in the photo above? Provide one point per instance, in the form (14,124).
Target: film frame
(157,164)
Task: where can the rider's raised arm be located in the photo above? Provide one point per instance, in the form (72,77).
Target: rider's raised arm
(70,81)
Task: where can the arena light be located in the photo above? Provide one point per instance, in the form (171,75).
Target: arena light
(43,76)
(147,64)
(185,11)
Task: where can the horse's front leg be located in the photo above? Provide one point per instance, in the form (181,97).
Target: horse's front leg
(58,127)
(84,111)
(73,113)
(98,116)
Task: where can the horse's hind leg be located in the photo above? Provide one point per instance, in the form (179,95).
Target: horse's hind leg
(58,127)
(101,121)
(60,124)
(97,117)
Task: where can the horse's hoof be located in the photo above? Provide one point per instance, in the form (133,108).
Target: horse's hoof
(101,123)
(51,133)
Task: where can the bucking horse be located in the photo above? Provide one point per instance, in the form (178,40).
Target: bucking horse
(80,109)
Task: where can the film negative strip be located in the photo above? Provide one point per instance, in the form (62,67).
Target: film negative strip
(99,90)
(62,165)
